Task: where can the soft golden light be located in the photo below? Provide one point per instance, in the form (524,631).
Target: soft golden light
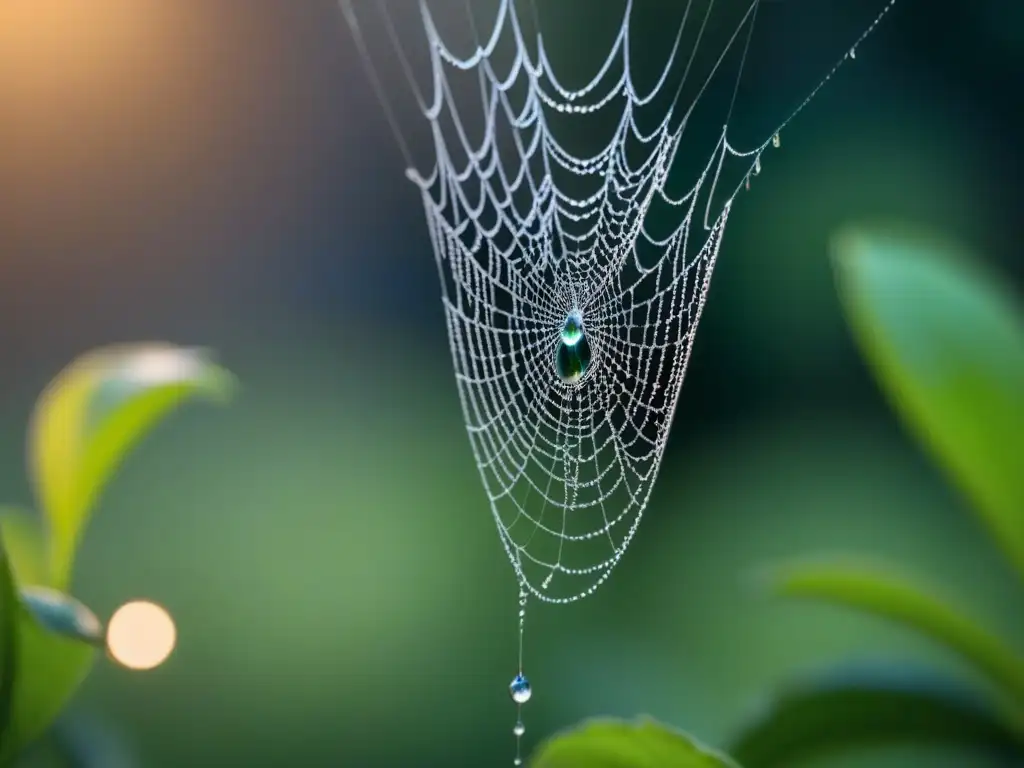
(141,635)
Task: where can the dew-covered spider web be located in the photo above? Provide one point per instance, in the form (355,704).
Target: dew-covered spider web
(575,219)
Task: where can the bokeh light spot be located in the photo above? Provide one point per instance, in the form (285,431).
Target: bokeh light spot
(141,635)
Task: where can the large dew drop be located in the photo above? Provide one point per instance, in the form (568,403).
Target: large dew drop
(571,362)
(520,690)
(573,354)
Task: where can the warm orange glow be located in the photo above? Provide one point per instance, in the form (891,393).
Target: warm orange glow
(74,74)
(141,635)
(66,44)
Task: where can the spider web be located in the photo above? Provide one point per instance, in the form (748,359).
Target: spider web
(526,231)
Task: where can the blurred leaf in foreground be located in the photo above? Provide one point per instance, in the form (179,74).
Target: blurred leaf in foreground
(57,641)
(642,743)
(946,344)
(91,415)
(85,422)
(885,593)
(872,706)
(9,610)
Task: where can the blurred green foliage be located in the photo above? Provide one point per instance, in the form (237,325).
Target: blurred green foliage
(83,425)
(618,744)
(947,346)
(873,705)
(946,343)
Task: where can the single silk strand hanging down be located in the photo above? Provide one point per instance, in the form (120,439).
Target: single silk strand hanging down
(571,317)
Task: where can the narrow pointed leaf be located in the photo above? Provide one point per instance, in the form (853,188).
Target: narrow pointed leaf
(869,707)
(946,343)
(889,595)
(92,415)
(641,743)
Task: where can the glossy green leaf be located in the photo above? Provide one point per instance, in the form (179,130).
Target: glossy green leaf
(641,743)
(9,612)
(864,707)
(887,594)
(26,545)
(946,344)
(57,641)
(91,415)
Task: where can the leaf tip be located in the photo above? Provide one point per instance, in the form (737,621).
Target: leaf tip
(63,615)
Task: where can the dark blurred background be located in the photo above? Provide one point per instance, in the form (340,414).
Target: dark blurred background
(218,172)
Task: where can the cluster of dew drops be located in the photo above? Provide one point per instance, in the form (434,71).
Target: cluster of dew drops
(776,142)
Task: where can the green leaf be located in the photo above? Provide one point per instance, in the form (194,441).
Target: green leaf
(91,415)
(870,707)
(946,344)
(885,593)
(26,545)
(57,640)
(642,743)
(9,612)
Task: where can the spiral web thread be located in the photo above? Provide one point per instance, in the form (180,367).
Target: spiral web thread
(525,231)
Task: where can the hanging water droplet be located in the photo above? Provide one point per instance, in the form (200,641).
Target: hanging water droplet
(517,761)
(572,331)
(853,53)
(572,361)
(748,183)
(520,729)
(757,165)
(776,141)
(520,689)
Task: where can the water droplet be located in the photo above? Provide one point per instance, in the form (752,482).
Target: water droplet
(547,580)
(572,331)
(748,183)
(776,141)
(757,165)
(572,361)
(517,761)
(63,615)
(520,689)
(520,729)
(853,53)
